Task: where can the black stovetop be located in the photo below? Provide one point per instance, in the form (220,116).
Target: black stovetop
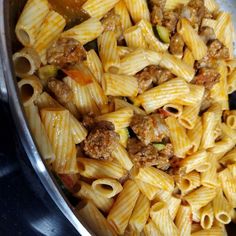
(25,207)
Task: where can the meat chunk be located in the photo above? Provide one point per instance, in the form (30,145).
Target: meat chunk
(207,34)
(217,50)
(207,77)
(156,15)
(101,141)
(176,45)
(65,52)
(61,90)
(148,155)
(88,121)
(170,19)
(112,22)
(159,3)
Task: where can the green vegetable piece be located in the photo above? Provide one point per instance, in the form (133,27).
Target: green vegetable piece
(163,33)
(47,72)
(159,146)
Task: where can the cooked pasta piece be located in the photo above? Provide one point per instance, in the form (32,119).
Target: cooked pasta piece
(227,131)
(95,65)
(207,22)
(140,213)
(39,133)
(30,88)
(86,31)
(232,169)
(151,229)
(95,169)
(162,196)
(122,156)
(97,223)
(120,118)
(155,177)
(147,189)
(183,220)
(216,231)
(178,137)
(177,67)
(229,158)
(200,197)
(86,192)
(107,187)
(211,5)
(49,31)
(44,100)
(161,217)
(31,18)
(134,37)
(231,121)
(173,109)
(121,211)
(57,125)
(172,4)
(108,52)
(198,161)
(207,216)
(98,9)
(120,85)
(221,208)
(121,9)
(188,57)
(123,51)
(26,62)
(191,38)
(138,10)
(162,94)
(173,205)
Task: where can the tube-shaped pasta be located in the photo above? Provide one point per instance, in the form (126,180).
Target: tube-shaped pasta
(147,189)
(95,65)
(172,4)
(98,9)
(119,103)
(188,57)
(120,85)
(211,5)
(124,135)
(45,100)
(227,131)
(191,38)
(163,94)
(151,229)
(26,62)
(78,131)
(51,27)
(96,169)
(198,161)
(208,127)
(149,36)
(39,133)
(177,67)
(123,51)
(86,31)
(30,20)
(229,158)
(97,223)
(207,216)
(120,118)
(173,109)
(195,136)
(231,121)
(200,197)
(134,37)
(138,10)
(107,187)
(121,9)
(221,208)
(231,81)
(173,206)
(216,231)
(155,177)
(140,213)
(30,88)
(161,217)
(162,196)
(57,125)
(122,156)
(183,220)
(121,211)
(108,52)
(178,137)
(207,22)
(189,116)
(189,182)
(86,192)
(232,169)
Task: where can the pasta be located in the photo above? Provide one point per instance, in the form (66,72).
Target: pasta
(207,216)
(151,229)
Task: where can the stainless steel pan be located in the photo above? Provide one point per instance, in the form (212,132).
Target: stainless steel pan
(9,11)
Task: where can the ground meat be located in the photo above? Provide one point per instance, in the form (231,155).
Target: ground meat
(176,45)
(175,167)
(101,141)
(159,3)
(217,50)
(88,121)
(156,15)
(112,22)
(207,77)
(170,19)
(205,62)
(61,90)
(65,52)
(147,155)
(152,74)
(207,34)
